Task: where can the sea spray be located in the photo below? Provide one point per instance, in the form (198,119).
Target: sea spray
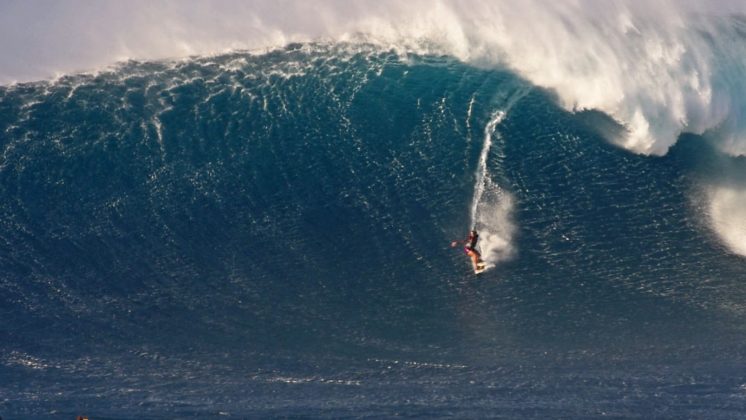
(491,205)
(726,213)
(658,68)
(482,174)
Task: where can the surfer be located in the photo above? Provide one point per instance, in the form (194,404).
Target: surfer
(470,247)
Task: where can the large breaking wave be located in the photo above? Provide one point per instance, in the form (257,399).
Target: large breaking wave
(266,233)
(658,68)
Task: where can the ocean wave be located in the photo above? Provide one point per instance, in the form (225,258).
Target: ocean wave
(658,68)
(224,234)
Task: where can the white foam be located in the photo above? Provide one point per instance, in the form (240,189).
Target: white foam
(727,212)
(293,380)
(492,206)
(658,67)
(482,175)
(26,360)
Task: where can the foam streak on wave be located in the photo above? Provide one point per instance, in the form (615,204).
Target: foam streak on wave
(491,205)
(482,174)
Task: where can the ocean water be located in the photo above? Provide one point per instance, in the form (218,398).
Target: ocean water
(255,235)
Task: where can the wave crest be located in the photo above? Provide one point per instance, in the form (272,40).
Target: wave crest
(658,68)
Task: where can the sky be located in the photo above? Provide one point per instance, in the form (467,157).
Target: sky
(45,38)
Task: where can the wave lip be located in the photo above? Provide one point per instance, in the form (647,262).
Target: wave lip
(659,69)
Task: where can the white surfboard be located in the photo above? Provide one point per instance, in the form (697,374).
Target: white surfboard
(479,267)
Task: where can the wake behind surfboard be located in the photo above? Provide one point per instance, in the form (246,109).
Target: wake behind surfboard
(491,205)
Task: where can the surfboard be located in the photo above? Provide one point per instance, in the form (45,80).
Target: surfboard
(479,267)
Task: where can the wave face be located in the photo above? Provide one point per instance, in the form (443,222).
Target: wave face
(659,69)
(267,235)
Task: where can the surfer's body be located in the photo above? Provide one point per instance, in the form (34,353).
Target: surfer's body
(470,248)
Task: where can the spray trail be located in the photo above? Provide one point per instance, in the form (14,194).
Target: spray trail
(482,174)
(491,205)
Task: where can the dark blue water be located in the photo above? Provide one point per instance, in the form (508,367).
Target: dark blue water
(268,236)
